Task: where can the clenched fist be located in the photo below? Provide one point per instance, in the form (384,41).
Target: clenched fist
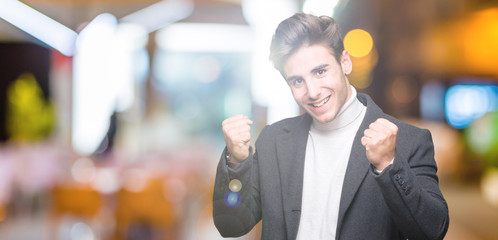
(380,142)
(237,134)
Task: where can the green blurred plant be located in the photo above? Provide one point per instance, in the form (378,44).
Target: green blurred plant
(482,138)
(29,116)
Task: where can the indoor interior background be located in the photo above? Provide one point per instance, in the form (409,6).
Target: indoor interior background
(110,123)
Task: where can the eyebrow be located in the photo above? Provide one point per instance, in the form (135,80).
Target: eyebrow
(319,67)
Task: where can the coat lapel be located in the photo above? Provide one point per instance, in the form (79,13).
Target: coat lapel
(291,150)
(358,163)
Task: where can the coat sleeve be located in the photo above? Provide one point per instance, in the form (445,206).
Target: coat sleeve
(410,188)
(234,219)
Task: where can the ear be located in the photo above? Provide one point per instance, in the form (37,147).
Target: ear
(346,63)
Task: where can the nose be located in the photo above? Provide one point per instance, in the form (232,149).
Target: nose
(313,89)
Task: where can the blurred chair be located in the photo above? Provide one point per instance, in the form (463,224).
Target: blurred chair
(145,213)
(76,200)
(73,204)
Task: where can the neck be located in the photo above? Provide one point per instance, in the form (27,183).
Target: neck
(347,114)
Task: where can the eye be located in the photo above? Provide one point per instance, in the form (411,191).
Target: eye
(320,72)
(297,82)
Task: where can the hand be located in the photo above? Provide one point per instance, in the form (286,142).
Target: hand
(380,142)
(237,134)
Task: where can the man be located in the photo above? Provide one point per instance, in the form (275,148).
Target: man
(342,170)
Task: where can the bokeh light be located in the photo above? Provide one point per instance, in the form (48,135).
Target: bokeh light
(106,180)
(358,42)
(232,199)
(81,231)
(465,103)
(489,186)
(83,170)
(235,185)
(482,137)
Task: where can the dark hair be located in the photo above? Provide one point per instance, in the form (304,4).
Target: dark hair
(304,30)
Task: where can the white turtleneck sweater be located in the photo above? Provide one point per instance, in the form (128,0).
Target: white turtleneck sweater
(327,155)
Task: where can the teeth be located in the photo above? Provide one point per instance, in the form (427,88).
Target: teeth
(321,103)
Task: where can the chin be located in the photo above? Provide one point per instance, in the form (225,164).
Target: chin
(324,119)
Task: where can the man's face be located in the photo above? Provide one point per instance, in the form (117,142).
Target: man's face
(318,82)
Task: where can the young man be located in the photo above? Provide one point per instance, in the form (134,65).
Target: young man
(342,170)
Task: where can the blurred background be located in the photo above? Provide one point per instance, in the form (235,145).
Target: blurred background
(111,110)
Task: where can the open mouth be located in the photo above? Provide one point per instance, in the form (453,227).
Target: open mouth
(323,102)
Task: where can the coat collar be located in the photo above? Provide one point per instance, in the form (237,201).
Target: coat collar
(291,151)
(358,164)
